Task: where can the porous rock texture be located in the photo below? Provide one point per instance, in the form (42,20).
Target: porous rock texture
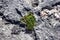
(46,12)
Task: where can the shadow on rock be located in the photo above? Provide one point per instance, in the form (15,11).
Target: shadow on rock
(18,12)
(14,22)
(26,9)
(28,31)
(47,7)
(56,4)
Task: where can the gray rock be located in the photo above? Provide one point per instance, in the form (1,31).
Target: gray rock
(45,33)
(5,32)
(15,30)
(11,13)
(44,30)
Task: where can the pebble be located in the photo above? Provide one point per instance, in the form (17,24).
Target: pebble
(0,19)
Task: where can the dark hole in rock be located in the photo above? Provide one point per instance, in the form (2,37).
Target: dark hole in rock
(1,14)
(27,9)
(1,0)
(51,38)
(23,30)
(47,7)
(47,18)
(57,18)
(35,4)
(18,12)
(45,39)
(28,31)
(3,17)
(7,23)
(22,25)
(36,37)
(12,21)
(49,15)
(58,3)
(38,13)
(0,7)
(36,29)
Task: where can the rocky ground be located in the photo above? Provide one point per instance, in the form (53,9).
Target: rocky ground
(46,12)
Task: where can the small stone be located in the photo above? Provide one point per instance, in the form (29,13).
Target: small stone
(0,19)
(15,30)
(57,16)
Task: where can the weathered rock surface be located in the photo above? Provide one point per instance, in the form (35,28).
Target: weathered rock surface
(46,12)
(8,7)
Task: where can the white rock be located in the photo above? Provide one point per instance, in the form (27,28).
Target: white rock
(0,19)
(57,15)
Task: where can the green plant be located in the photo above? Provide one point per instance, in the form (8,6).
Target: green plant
(29,20)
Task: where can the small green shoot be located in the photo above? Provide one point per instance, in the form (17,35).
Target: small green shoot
(29,20)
